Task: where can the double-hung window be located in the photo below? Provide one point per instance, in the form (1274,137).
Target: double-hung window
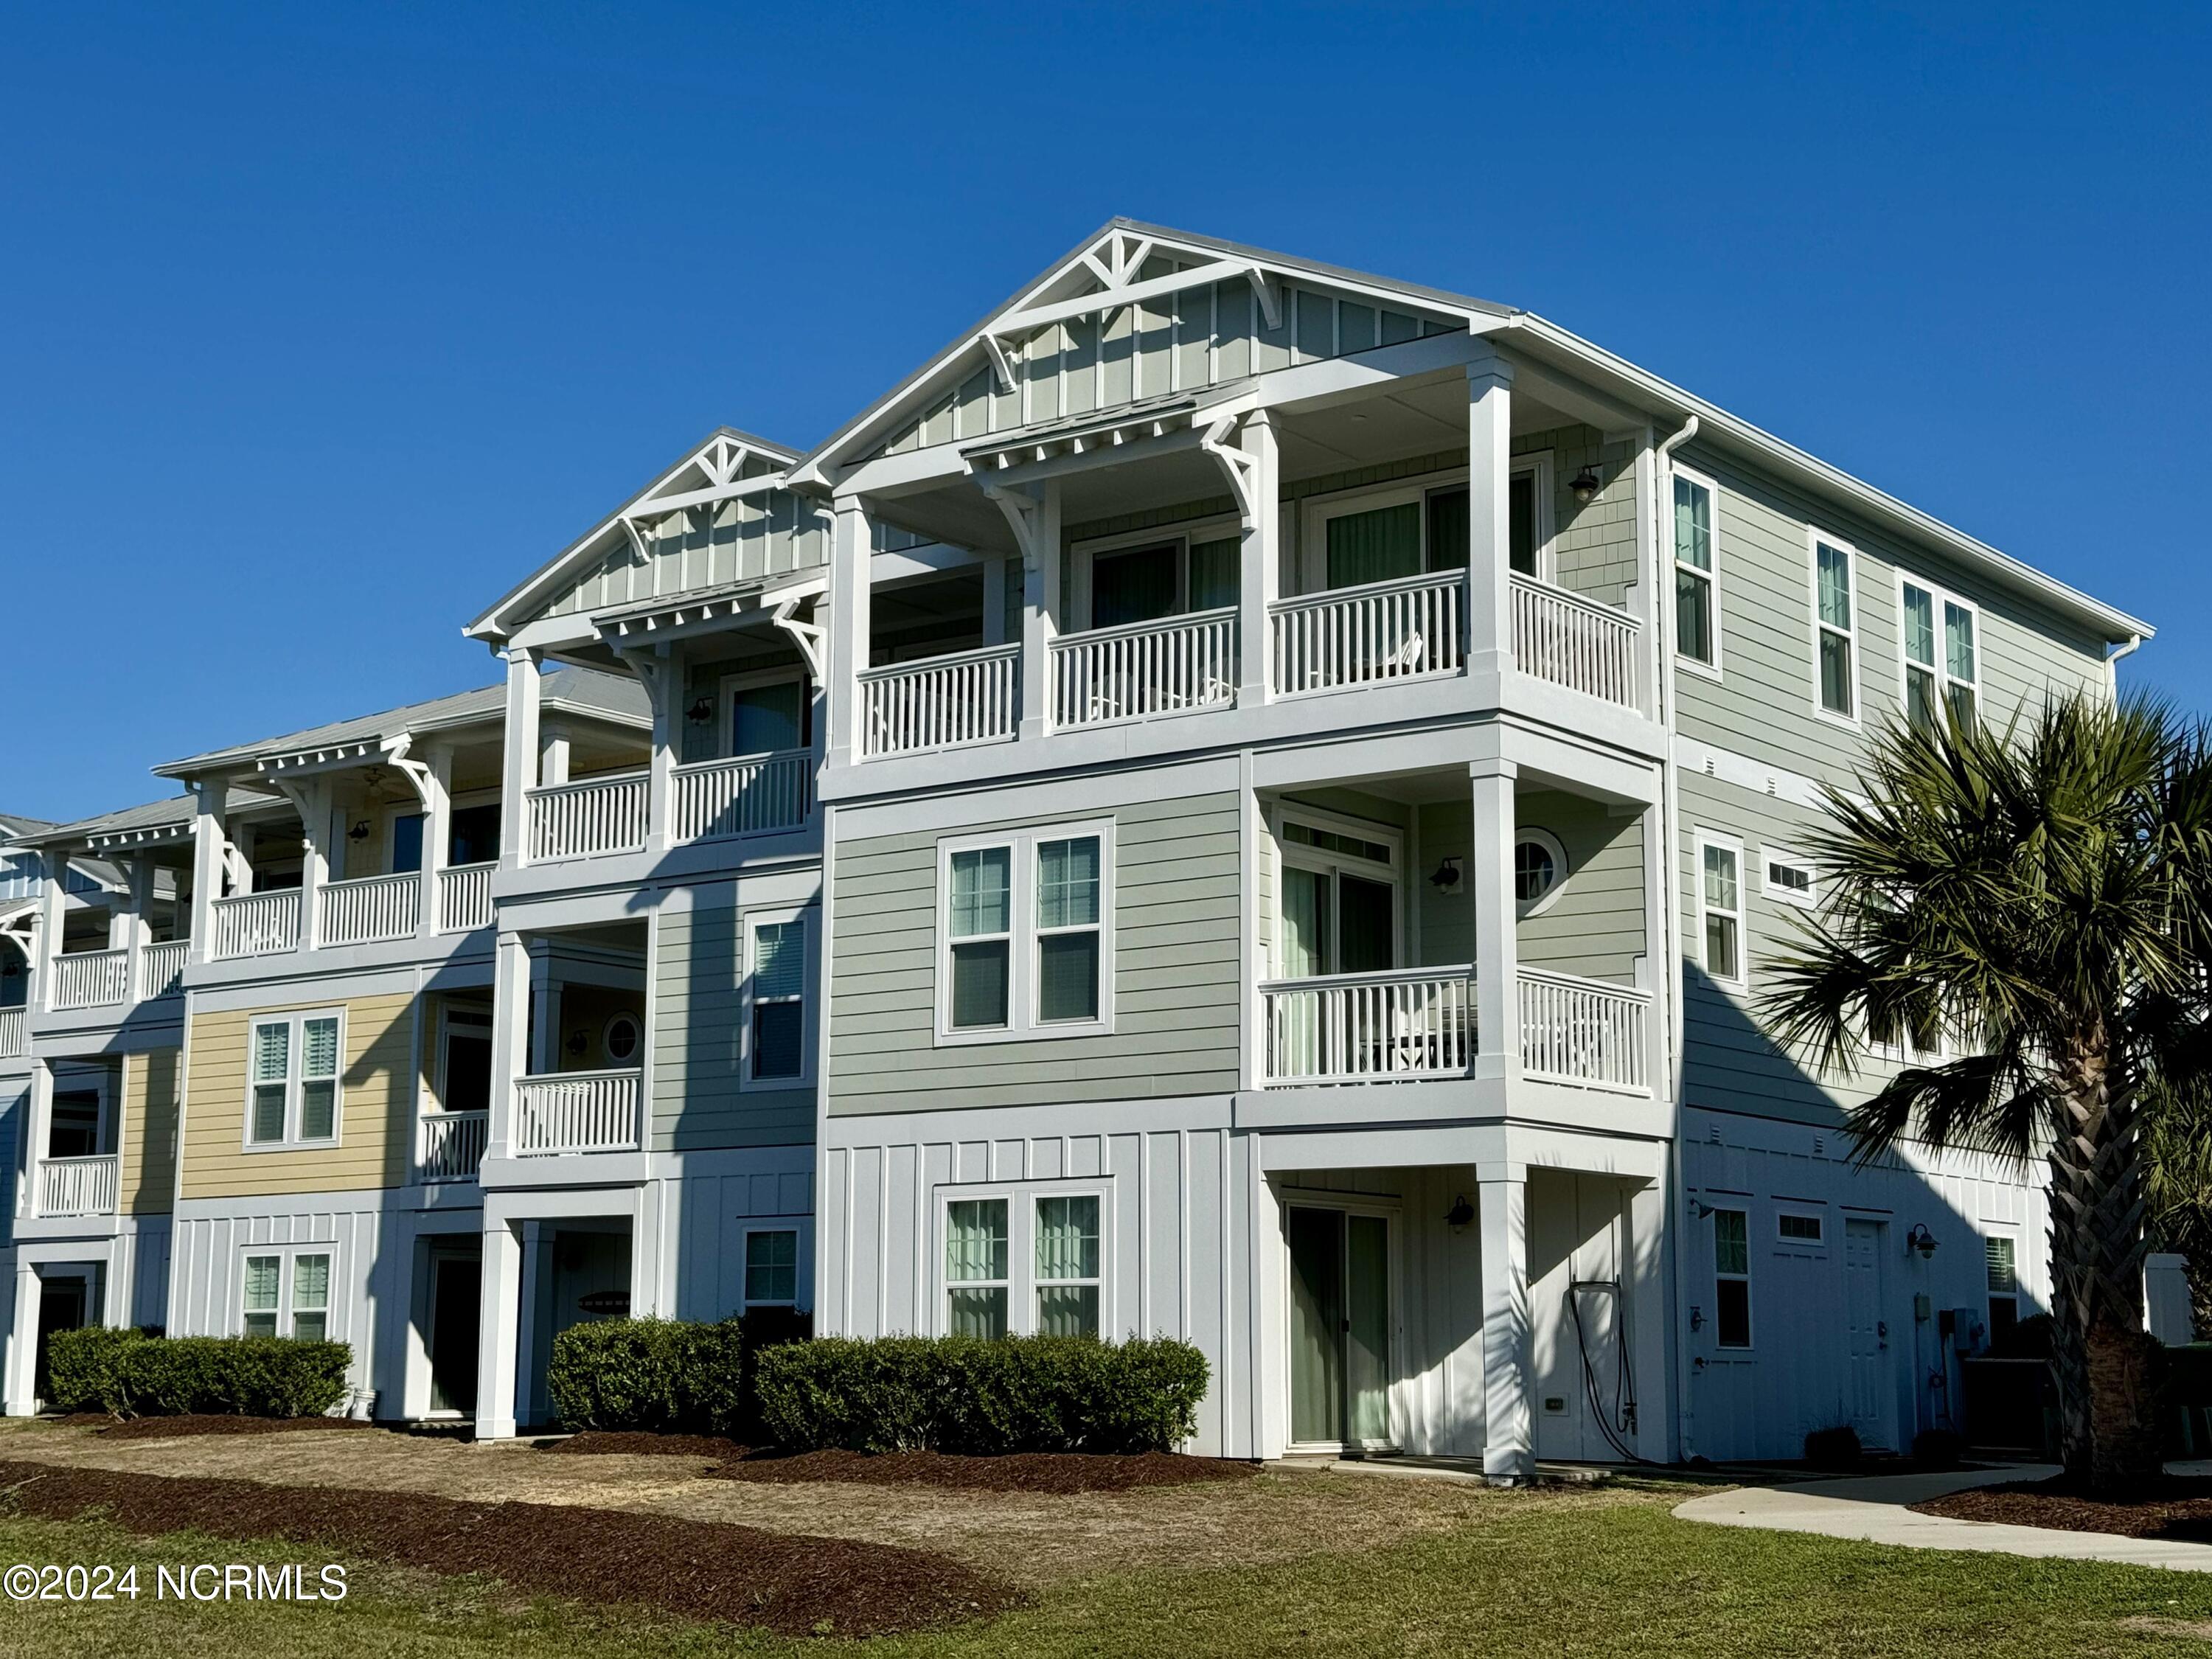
(1720,908)
(1697,606)
(2003,1271)
(1835,627)
(975,1262)
(293,1080)
(1731,1279)
(1027,931)
(1942,656)
(1067,1266)
(287,1293)
(775,1026)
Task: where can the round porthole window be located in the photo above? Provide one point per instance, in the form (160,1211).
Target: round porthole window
(622,1039)
(1540,865)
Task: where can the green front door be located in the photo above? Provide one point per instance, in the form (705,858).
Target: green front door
(1340,1327)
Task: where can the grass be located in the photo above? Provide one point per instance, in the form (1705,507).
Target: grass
(1524,1575)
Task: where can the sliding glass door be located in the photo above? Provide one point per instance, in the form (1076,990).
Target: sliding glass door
(1340,1327)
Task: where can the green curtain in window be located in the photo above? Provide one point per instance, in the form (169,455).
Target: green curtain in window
(1067,1237)
(1367,1327)
(1304,948)
(1216,574)
(1449,530)
(1375,546)
(1134,586)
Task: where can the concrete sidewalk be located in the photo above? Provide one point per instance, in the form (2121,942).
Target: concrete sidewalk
(1873,1510)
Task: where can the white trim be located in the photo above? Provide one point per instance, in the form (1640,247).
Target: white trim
(1289,854)
(606,1037)
(1311,560)
(287,1256)
(295,1022)
(1523,909)
(448,1018)
(1800,1210)
(1750,1343)
(1675,470)
(1021,937)
(800,916)
(1391,1213)
(1021,1282)
(1700,840)
(1816,539)
(1939,598)
(746,1301)
(1772,854)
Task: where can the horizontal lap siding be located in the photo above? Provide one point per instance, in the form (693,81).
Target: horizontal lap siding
(1177,974)
(1763,705)
(376,1096)
(698,1021)
(149,1133)
(1594,927)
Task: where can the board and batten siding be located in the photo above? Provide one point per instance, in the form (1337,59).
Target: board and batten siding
(1763,703)
(376,1095)
(772,534)
(699,1099)
(1177,985)
(148,1170)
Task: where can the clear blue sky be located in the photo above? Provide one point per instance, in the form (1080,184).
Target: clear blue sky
(323,325)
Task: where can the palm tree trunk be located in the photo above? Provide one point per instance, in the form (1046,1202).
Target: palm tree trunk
(2102,1358)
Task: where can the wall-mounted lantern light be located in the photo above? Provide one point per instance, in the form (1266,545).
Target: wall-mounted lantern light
(1921,1240)
(1446,879)
(1460,1215)
(1585,485)
(701,711)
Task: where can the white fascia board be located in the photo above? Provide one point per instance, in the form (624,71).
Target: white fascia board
(1717,425)
(911,563)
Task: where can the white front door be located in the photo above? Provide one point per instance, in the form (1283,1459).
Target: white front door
(1873,1387)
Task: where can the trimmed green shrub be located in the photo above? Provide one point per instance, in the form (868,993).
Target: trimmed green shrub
(127,1373)
(978,1397)
(666,1376)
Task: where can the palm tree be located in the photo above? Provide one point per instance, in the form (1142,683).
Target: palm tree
(2036,901)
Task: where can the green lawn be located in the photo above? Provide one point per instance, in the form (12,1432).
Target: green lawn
(1532,1576)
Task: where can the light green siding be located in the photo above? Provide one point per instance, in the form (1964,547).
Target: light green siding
(698,1019)
(772,534)
(1176,981)
(1762,705)
(1594,927)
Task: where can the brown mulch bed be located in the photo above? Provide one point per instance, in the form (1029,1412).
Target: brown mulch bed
(2169,1508)
(792,1583)
(1039,1472)
(637,1443)
(182,1428)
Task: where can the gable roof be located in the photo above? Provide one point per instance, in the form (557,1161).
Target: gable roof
(578,690)
(1095,264)
(723,463)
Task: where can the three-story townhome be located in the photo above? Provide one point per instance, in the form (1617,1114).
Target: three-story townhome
(1298,880)
(654,1012)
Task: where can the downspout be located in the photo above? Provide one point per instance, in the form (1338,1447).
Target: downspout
(2112,663)
(1671,861)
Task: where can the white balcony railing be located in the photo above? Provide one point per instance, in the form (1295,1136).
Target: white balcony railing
(453,1145)
(15,1041)
(465,898)
(576,1112)
(749,795)
(1368,635)
(370,908)
(256,924)
(1573,641)
(161,967)
(1584,1031)
(91,979)
(1172,666)
(76,1186)
(588,817)
(943,703)
(1370,1028)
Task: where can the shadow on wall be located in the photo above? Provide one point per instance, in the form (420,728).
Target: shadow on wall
(1804,1305)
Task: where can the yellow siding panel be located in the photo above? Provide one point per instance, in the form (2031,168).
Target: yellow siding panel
(149,1131)
(376,1106)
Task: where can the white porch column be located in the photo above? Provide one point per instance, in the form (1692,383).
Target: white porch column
(1261,561)
(437,835)
(1041,613)
(314,804)
(1508,1449)
(662,676)
(22,1369)
(849,628)
(498,1329)
(207,865)
(38,1133)
(1490,497)
(52,900)
(1490,890)
(510,1038)
(518,766)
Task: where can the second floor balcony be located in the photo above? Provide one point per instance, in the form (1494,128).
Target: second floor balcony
(716,799)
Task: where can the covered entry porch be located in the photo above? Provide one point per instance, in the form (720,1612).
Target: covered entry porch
(1492,1292)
